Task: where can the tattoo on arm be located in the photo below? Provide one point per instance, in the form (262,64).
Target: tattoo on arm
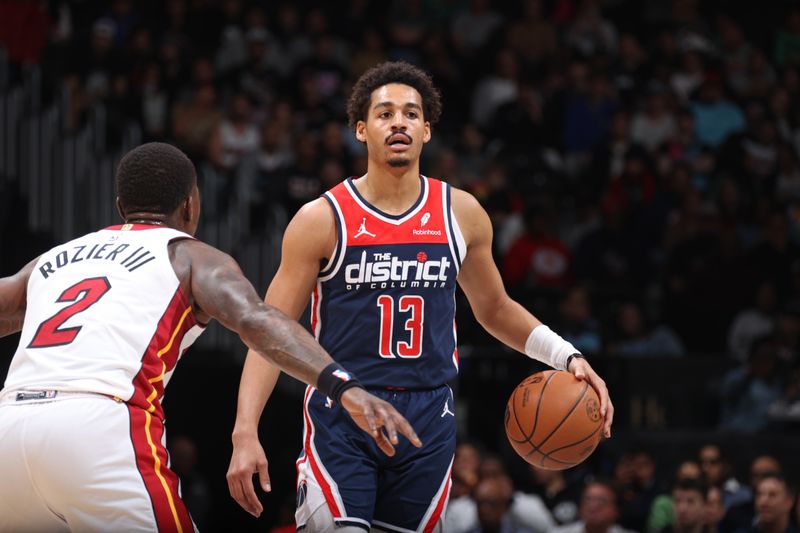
(9,325)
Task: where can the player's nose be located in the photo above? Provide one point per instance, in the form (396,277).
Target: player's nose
(399,122)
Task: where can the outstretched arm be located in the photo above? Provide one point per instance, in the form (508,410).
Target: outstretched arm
(503,317)
(13,300)
(220,290)
(307,240)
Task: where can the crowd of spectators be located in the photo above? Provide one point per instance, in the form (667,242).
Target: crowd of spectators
(701,496)
(640,162)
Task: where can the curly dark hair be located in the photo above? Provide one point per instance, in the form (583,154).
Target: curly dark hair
(154,178)
(393,72)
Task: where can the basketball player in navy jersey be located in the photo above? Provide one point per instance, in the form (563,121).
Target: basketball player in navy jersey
(104,320)
(380,256)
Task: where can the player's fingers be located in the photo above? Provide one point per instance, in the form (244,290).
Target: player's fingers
(404,428)
(606,408)
(237,493)
(369,416)
(263,476)
(609,419)
(253,505)
(384,444)
(385,415)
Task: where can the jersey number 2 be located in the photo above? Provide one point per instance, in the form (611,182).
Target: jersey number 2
(85,294)
(412,348)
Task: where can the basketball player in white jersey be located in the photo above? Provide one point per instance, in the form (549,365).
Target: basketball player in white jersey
(104,320)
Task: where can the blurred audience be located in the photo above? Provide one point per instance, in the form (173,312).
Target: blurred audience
(599,511)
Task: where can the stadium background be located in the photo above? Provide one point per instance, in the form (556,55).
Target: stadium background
(639,161)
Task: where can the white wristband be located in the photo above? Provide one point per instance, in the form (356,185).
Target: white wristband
(547,346)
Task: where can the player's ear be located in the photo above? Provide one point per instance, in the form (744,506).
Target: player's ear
(187,209)
(426,135)
(361,131)
(120,210)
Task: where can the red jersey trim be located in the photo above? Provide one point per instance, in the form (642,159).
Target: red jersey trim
(162,354)
(422,199)
(137,227)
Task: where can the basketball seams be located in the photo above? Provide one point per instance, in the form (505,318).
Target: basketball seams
(539,405)
(572,409)
(589,436)
(527,436)
(568,425)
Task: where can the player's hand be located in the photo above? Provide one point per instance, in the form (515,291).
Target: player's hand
(248,458)
(378,418)
(583,370)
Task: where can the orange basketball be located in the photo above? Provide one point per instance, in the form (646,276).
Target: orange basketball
(553,420)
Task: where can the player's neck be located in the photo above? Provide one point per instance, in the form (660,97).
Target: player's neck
(390,191)
(148,218)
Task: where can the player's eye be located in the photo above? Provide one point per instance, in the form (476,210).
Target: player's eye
(385,114)
(412,114)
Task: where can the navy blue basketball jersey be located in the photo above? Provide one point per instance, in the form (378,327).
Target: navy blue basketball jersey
(384,305)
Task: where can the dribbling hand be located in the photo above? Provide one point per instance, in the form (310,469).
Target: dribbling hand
(248,459)
(378,418)
(582,370)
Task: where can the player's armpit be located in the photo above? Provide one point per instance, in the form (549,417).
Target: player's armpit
(13,299)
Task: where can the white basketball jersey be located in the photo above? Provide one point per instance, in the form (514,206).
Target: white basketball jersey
(105,314)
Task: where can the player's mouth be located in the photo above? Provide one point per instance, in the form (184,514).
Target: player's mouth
(398,142)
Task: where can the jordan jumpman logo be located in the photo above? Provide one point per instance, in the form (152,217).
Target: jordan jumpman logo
(362,229)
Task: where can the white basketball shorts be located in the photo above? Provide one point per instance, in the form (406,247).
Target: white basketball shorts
(84,462)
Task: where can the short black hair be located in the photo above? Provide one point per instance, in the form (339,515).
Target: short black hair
(692,484)
(154,178)
(791,488)
(393,72)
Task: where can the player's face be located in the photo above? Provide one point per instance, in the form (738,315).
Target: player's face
(395,129)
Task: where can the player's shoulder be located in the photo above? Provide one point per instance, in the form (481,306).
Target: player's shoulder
(463,200)
(315,213)
(470,214)
(196,252)
(313,228)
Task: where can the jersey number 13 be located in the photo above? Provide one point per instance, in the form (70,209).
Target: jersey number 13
(408,349)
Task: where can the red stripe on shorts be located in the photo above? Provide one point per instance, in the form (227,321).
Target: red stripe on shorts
(159,480)
(327,490)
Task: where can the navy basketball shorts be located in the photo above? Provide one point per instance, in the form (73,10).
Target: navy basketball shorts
(343,468)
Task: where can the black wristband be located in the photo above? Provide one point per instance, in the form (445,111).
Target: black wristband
(334,380)
(576,355)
